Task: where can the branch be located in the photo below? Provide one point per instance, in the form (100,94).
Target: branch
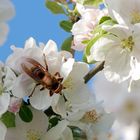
(93,72)
(139,132)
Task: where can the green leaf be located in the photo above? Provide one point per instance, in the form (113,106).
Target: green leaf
(8,119)
(67,44)
(54,7)
(54,121)
(66,25)
(25,113)
(78,134)
(90,2)
(87,57)
(104,18)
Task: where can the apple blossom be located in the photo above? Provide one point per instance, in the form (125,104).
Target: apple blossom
(75,89)
(118,49)
(117,99)
(125,12)
(94,121)
(59,132)
(82,30)
(33,130)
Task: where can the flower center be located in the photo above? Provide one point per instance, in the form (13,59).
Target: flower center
(130,106)
(91,117)
(68,83)
(135,17)
(128,43)
(33,134)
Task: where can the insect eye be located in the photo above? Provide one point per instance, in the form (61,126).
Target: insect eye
(38,73)
(55,86)
(41,75)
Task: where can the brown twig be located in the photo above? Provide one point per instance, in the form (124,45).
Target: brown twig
(94,71)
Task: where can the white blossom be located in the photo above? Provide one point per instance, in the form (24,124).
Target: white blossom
(117,99)
(33,130)
(75,90)
(125,12)
(119,49)
(82,30)
(59,132)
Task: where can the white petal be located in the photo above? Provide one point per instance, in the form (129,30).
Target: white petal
(109,93)
(50,47)
(55,132)
(12,59)
(23,86)
(9,78)
(76,90)
(80,8)
(67,67)
(60,108)
(78,93)
(102,46)
(135,75)
(123,10)
(67,134)
(75,116)
(81,27)
(3,130)
(41,100)
(120,31)
(25,131)
(30,43)
(117,65)
(4,102)
(80,69)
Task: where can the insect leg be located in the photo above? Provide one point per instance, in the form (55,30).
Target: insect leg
(51,92)
(34,89)
(58,77)
(45,62)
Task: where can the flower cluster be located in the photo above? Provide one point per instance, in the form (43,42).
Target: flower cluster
(44,93)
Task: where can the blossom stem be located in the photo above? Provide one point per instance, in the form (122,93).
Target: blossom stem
(94,71)
(139,132)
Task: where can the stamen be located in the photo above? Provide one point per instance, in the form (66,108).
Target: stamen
(135,17)
(128,44)
(91,117)
(33,134)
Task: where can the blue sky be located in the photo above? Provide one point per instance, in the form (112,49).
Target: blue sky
(32,19)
